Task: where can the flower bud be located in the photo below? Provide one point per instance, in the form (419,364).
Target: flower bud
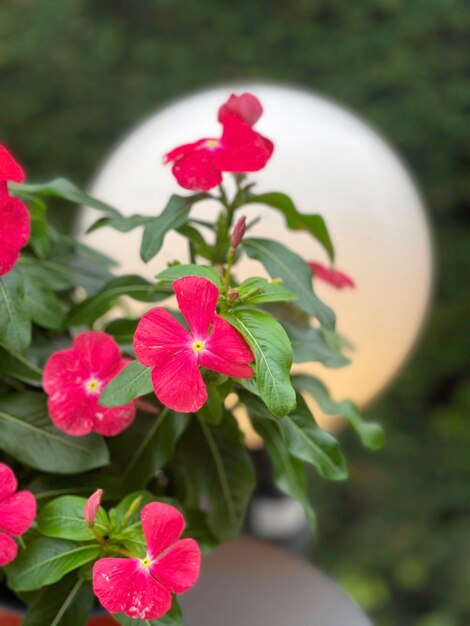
(238,232)
(233,295)
(91,507)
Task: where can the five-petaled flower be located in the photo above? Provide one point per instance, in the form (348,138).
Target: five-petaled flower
(337,279)
(14,217)
(176,354)
(17,513)
(74,379)
(198,166)
(142,588)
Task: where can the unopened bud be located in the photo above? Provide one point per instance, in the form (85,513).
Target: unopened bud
(91,507)
(233,295)
(238,232)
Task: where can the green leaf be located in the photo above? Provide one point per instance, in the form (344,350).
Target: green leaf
(15,365)
(131,382)
(122,223)
(262,291)
(15,320)
(313,224)
(123,330)
(43,306)
(199,245)
(370,433)
(289,473)
(133,286)
(273,356)
(28,435)
(147,446)
(295,274)
(63,518)
(174,617)
(67,603)
(311,344)
(46,560)
(213,410)
(307,442)
(179,271)
(212,463)
(173,216)
(60,188)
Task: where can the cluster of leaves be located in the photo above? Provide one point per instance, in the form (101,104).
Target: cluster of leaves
(60,287)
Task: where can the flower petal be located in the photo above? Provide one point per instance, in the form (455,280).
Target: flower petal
(196,170)
(98,352)
(8,482)
(246,106)
(197,299)
(8,258)
(158,336)
(113,420)
(17,513)
(163,524)
(226,351)
(72,411)
(62,371)
(125,586)
(186,148)
(15,221)
(337,279)
(8,549)
(243,149)
(178,382)
(178,569)
(9,168)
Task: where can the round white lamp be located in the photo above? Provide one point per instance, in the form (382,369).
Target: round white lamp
(330,162)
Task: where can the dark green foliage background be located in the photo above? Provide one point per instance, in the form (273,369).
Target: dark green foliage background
(76,74)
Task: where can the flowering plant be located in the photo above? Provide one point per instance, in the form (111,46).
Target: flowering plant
(121,431)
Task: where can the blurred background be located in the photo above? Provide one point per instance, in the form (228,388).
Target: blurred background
(75,75)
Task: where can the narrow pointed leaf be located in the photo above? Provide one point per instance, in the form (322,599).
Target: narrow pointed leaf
(131,382)
(179,271)
(313,224)
(296,276)
(370,433)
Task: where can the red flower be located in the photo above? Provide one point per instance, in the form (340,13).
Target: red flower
(142,588)
(247,107)
(331,276)
(74,379)
(91,507)
(17,513)
(14,217)
(198,166)
(176,354)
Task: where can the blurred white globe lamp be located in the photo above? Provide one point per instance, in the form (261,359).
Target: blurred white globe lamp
(330,162)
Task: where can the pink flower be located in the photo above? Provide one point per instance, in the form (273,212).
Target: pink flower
(142,588)
(331,276)
(176,355)
(14,217)
(247,107)
(74,380)
(198,166)
(17,513)
(91,507)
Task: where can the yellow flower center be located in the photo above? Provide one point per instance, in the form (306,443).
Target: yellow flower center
(212,143)
(93,385)
(198,346)
(146,563)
